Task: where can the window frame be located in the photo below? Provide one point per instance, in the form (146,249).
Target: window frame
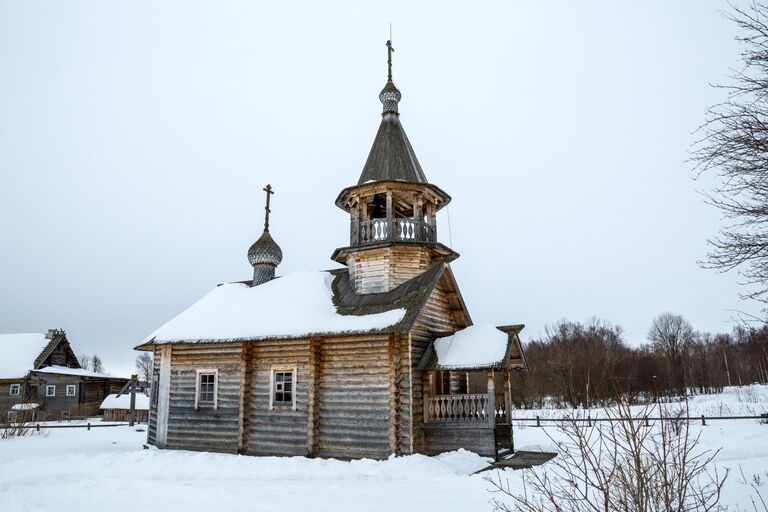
(272,388)
(49,388)
(73,387)
(13,387)
(207,405)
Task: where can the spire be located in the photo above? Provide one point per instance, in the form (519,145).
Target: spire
(390,95)
(391,158)
(265,255)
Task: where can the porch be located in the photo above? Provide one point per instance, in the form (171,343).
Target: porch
(466,390)
(458,415)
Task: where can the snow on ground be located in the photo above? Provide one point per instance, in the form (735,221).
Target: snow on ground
(107,468)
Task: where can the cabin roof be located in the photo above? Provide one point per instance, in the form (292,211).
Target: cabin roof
(21,352)
(298,305)
(124,402)
(477,347)
(77,372)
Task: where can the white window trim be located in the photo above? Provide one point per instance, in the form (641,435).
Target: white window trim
(48,388)
(13,387)
(73,387)
(281,368)
(215,373)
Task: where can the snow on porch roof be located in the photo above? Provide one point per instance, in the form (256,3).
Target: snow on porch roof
(297,305)
(476,347)
(124,402)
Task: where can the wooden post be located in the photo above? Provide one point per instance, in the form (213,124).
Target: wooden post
(354,227)
(390,230)
(491,401)
(418,217)
(508,403)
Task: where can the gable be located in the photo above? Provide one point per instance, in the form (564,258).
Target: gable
(443,311)
(58,352)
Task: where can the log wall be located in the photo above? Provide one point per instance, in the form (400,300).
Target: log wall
(204,428)
(445,437)
(384,268)
(280,430)
(436,317)
(355,398)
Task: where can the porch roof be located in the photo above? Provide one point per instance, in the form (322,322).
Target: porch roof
(475,348)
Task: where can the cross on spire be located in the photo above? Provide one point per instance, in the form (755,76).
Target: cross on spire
(268,190)
(389,59)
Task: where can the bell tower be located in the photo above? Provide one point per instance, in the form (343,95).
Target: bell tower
(393,208)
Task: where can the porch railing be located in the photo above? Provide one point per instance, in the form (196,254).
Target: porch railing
(401,229)
(457,408)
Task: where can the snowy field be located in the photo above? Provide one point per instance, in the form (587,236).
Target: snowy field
(108,469)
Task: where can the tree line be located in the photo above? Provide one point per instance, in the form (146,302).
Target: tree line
(585,364)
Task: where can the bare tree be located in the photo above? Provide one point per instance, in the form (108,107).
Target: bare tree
(619,465)
(673,335)
(734,146)
(84,360)
(96,364)
(144,366)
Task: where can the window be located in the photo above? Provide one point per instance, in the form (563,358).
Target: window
(50,390)
(15,389)
(71,390)
(65,414)
(283,388)
(207,388)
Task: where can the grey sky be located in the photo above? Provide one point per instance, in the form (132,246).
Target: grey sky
(135,138)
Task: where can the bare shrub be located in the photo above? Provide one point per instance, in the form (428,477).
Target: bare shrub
(619,465)
(19,425)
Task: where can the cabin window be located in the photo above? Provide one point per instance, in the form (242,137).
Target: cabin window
(71,390)
(207,388)
(283,387)
(15,389)
(50,390)
(153,386)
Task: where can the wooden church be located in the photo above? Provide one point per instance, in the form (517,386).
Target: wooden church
(377,358)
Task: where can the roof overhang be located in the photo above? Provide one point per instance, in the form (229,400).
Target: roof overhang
(348,196)
(445,252)
(513,359)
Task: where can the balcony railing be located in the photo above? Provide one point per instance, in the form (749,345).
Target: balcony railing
(466,408)
(400,230)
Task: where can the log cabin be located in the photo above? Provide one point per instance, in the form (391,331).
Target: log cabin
(41,379)
(368,360)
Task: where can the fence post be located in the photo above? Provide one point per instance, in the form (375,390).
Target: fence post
(37,427)
(589,420)
(646,422)
(703,421)
(538,421)
(89,425)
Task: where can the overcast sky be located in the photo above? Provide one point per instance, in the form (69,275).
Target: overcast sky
(135,139)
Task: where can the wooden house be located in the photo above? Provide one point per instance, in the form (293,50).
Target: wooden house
(41,378)
(368,360)
(117,408)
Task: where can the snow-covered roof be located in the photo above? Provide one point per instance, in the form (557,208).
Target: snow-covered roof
(19,352)
(25,407)
(124,402)
(296,305)
(64,370)
(477,346)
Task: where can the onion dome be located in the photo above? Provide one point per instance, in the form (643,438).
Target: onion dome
(265,251)
(390,97)
(265,255)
